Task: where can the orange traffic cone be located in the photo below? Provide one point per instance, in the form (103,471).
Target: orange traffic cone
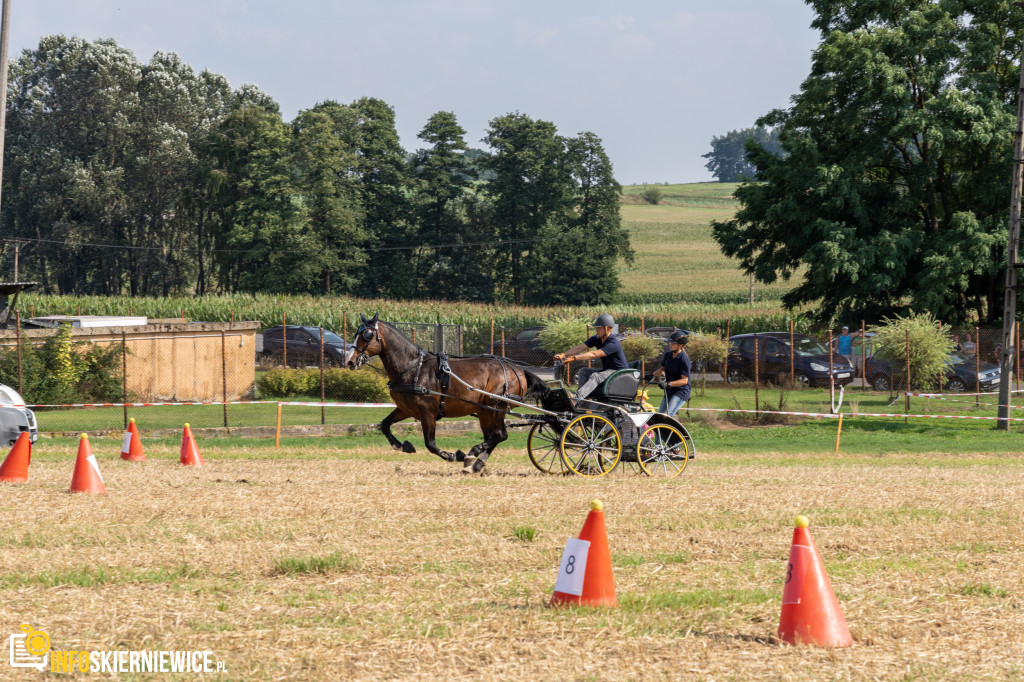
(810,610)
(131,447)
(87,478)
(15,466)
(598,587)
(190,456)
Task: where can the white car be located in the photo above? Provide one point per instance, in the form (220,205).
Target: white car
(15,420)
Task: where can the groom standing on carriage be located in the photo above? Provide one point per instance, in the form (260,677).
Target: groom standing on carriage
(606,347)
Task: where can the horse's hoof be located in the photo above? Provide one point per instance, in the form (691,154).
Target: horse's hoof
(408,447)
(460,456)
(479,465)
(468,464)
(447,456)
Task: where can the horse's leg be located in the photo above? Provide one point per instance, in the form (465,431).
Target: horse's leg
(493,426)
(396,415)
(428,423)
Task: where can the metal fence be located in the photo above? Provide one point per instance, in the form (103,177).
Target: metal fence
(311,371)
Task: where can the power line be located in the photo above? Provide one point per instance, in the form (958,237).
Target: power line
(189,249)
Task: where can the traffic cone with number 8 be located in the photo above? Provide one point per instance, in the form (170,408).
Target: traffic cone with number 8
(585,575)
(810,610)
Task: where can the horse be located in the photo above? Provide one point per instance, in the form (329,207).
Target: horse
(420,391)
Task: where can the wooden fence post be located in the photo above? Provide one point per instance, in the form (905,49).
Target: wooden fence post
(757,379)
(977,366)
(17,326)
(725,368)
(864,355)
(323,414)
(124,377)
(224,373)
(906,393)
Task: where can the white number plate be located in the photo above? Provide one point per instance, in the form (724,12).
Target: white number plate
(573,568)
(844,375)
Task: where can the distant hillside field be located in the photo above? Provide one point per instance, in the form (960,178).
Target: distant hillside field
(675,253)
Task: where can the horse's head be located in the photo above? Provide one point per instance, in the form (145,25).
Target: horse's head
(368,339)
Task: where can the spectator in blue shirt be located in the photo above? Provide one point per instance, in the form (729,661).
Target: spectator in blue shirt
(675,365)
(844,344)
(606,347)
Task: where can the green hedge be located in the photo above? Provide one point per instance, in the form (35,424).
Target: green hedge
(339,384)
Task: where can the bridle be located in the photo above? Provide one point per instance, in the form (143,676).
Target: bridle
(368,332)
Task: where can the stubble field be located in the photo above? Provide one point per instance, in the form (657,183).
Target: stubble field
(336,559)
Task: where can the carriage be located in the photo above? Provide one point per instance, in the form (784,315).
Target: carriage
(586,437)
(592,437)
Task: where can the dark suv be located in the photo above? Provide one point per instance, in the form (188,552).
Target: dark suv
(524,346)
(304,347)
(961,374)
(810,360)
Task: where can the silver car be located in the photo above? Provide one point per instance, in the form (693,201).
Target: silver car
(15,420)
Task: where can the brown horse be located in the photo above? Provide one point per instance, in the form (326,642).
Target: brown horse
(417,390)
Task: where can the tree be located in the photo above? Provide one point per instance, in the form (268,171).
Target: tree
(330,203)
(574,261)
(443,207)
(728,160)
(531,190)
(368,127)
(892,190)
(261,246)
(73,109)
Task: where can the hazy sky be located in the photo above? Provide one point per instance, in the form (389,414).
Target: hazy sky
(654,79)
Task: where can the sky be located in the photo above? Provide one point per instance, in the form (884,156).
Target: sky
(654,79)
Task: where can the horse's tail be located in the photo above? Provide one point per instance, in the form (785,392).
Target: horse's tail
(535,385)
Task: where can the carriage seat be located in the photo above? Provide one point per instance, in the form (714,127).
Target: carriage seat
(620,387)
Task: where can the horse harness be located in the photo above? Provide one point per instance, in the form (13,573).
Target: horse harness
(444,375)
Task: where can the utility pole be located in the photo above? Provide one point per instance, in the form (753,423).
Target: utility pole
(1012,260)
(5,29)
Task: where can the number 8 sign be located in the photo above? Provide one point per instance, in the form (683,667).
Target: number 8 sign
(573,567)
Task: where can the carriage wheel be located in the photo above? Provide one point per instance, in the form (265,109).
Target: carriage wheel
(663,451)
(544,447)
(591,445)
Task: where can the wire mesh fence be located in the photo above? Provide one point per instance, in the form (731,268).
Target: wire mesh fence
(245,371)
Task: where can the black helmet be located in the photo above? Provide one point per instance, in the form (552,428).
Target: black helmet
(604,320)
(679,336)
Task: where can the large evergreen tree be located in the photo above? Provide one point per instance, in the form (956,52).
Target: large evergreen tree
(893,189)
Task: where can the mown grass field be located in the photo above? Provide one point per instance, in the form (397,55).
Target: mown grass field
(338,559)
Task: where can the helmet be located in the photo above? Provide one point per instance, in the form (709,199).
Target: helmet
(679,336)
(604,320)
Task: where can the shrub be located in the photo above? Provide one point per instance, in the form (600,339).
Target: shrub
(61,370)
(560,334)
(284,382)
(706,351)
(652,195)
(930,347)
(641,347)
(363,385)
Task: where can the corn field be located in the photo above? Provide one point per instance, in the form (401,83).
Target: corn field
(341,313)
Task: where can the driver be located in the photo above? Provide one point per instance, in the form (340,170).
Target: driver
(606,347)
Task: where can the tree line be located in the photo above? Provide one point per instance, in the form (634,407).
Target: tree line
(153,179)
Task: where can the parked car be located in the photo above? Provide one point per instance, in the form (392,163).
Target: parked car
(304,347)
(15,420)
(810,360)
(523,346)
(960,376)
